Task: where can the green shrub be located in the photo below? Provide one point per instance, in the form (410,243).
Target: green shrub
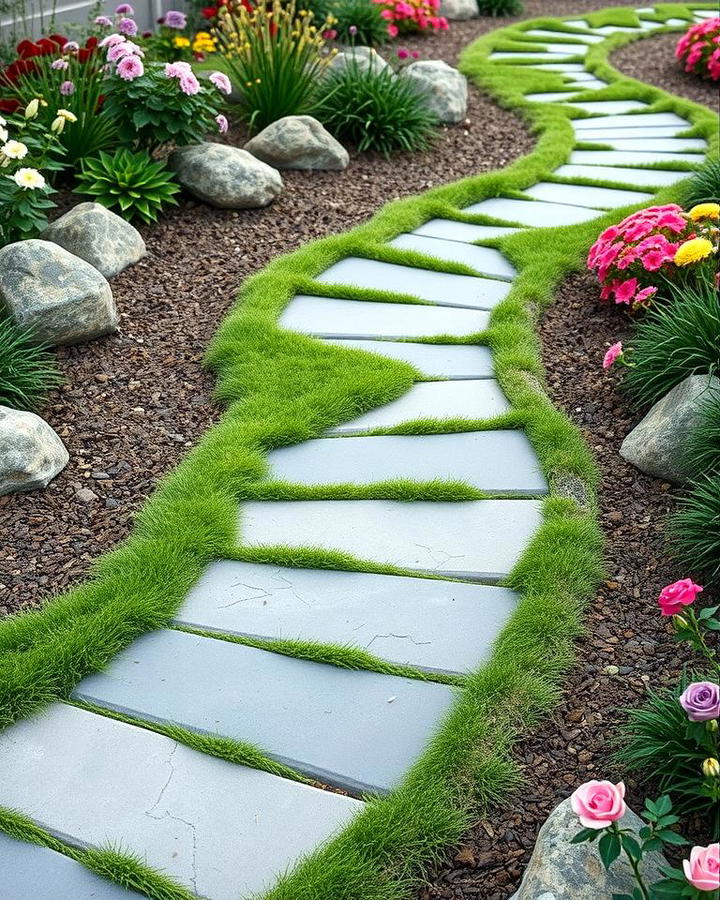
(694,530)
(362,15)
(375,111)
(704,186)
(27,371)
(674,339)
(704,443)
(132,182)
(500,7)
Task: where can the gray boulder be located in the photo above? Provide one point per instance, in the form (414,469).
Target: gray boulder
(225,177)
(365,58)
(298,142)
(31,454)
(659,444)
(458,10)
(98,236)
(559,870)
(444,87)
(61,297)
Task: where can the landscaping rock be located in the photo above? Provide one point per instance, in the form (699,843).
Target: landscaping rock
(61,297)
(444,87)
(226,177)
(365,58)
(31,454)
(298,142)
(459,10)
(559,870)
(98,236)
(659,444)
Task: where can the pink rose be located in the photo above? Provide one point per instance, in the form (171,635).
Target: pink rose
(613,354)
(702,870)
(674,596)
(599,803)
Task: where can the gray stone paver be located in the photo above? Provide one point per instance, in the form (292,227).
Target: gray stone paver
(31,872)
(629,157)
(670,144)
(488,460)
(452,361)
(590,84)
(357,730)
(610,107)
(550,96)
(485,260)
(441,288)
(433,624)
(532,212)
(450,230)
(582,38)
(223,830)
(335,318)
(562,67)
(644,131)
(582,195)
(438,400)
(644,177)
(480,540)
(636,120)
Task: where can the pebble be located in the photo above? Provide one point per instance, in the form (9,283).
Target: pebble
(85,495)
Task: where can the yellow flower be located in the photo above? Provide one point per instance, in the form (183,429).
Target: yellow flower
(31,110)
(711,767)
(67,115)
(181,42)
(705,211)
(693,251)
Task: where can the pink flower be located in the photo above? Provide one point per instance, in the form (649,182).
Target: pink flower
(221,82)
(613,354)
(67,88)
(103,21)
(177,69)
(415,54)
(60,64)
(644,295)
(71,47)
(130,67)
(222,123)
(124,10)
(189,84)
(625,291)
(599,803)
(128,27)
(674,596)
(403,53)
(111,39)
(175,19)
(122,49)
(393,31)
(702,870)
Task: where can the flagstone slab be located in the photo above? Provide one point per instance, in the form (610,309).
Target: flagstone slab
(562,67)
(610,107)
(638,120)
(433,624)
(550,96)
(670,144)
(441,288)
(532,212)
(578,49)
(31,872)
(644,177)
(502,461)
(486,260)
(629,157)
(330,317)
(510,56)
(589,84)
(480,540)
(582,75)
(450,230)
(644,131)
(581,38)
(436,400)
(223,830)
(357,730)
(586,196)
(453,361)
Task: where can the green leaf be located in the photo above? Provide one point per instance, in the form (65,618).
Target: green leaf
(609,848)
(671,837)
(585,834)
(631,847)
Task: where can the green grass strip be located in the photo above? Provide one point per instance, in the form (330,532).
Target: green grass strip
(281,388)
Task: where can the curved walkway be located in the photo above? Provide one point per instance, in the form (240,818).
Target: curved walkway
(419,514)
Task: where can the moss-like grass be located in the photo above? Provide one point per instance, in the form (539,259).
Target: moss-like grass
(280,388)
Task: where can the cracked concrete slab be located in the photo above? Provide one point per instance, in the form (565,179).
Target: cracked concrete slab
(437,625)
(453,361)
(223,830)
(480,540)
(360,731)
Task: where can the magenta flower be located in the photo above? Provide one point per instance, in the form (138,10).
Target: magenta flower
(222,123)
(130,67)
(415,54)
(352,30)
(221,82)
(124,10)
(625,291)
(67,88)
(701,701)
(403,53)
(674,596)
(128,27)
(119,51)
(613,354)
(103,21)
(175,19)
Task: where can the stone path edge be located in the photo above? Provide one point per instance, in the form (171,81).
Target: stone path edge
(210,532)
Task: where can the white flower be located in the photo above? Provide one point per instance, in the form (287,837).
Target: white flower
(14,150)
(31,110)
(67,115)
(29,179)
(3,134)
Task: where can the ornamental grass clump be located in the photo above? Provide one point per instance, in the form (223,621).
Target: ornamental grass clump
(694,532)
(358,22)
(704,186)
(276,56)
(27,371)
(698,50)
(703,454)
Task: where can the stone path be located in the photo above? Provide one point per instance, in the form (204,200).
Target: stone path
(225,830)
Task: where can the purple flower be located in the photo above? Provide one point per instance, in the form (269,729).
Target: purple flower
(111,39)
(222,123)
(189,84)
(175,19)
(221,82)
(67,88)
(129,68)
(59,64)
(128,27)
(119,51)
(352,30)
(701,701)
(124,10)
(103,21)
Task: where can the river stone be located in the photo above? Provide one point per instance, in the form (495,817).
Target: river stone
(225,177)
(98,236)
(365,58)
(559,870)
(659,444)
(444,88)
(31,454)
(62,298)
(298,142)
(458,10)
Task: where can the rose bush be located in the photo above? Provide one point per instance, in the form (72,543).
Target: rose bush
(699,49)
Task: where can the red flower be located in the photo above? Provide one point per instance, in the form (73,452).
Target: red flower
(209,12)
(9,106)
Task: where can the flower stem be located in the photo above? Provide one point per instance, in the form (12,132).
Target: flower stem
(633,864)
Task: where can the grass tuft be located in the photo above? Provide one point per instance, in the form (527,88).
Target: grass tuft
(27,370)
